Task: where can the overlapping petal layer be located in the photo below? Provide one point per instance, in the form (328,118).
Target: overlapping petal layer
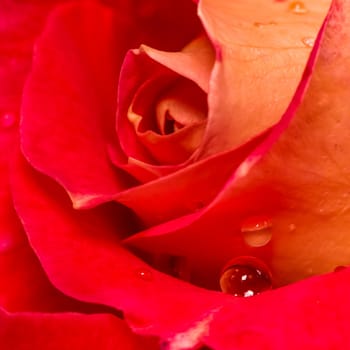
(27,331)
(82,254)
(23,283)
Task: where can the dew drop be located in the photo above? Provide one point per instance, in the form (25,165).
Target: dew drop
(258,238)
(308,41)
(245,276)
(8,120)
(144,274)
(298,7)
(257,231)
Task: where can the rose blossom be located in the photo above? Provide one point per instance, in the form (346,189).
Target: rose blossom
(157,141)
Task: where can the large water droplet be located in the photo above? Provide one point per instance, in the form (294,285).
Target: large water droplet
(245,276)
(7,120)
(298,7)
(308,41)
(257,230)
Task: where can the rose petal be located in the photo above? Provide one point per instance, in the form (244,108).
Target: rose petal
(68,113)
(309,202)
(67,331)
(182,193)
(194,62)
(173,107)
(23,283)
(258,65)
(145,74)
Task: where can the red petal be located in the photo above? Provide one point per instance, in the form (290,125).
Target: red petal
(23,283)
(82,255)
(25,331)
(69,100)
(313,314)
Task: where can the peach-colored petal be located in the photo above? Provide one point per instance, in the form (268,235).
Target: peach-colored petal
(194,62)
(260,56)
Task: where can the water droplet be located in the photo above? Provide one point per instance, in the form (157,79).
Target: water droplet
(144,274)
(8,120)
(264,24)
(245,276)
(257,230)
(298,7)
(308,41)
(339,268)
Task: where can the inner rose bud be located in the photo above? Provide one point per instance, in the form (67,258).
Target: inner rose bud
(181,106)
(162,108)
(169,124)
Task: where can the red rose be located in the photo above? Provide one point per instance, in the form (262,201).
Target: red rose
(156,142)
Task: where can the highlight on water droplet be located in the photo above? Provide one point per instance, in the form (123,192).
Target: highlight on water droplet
(7,120)
(245,276)
(257,230)
(298,7)
(308,41)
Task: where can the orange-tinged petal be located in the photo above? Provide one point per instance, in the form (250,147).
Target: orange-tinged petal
(262,48)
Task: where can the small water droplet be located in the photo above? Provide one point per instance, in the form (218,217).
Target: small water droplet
(308,41)
(298,7)
(264,24)
(144,274)
(257,230)
(245,276)
(339,268)
(8,120)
